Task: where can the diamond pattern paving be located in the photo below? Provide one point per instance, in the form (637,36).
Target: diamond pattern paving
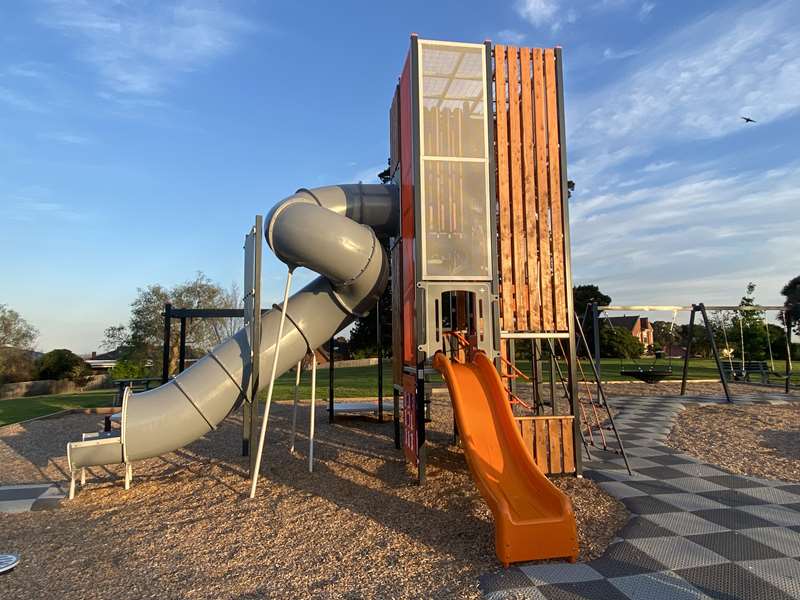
(696,531)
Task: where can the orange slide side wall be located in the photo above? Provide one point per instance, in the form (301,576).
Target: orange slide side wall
(534,520)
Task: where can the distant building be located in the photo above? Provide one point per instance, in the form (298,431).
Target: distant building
(102,363)
(638,327)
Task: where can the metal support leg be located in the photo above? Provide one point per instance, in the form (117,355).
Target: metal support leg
(273,374)
(312,416)
(182,347)
(689,336)
(331,399)
(380,362)
(714,351)
(294,406)
(396,416)
(165,358)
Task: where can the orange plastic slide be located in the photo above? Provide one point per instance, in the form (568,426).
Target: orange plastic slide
(533,518)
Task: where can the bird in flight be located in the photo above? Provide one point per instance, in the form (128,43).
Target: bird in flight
(747,119)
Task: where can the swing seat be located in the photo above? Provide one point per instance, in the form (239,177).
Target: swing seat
(649,376)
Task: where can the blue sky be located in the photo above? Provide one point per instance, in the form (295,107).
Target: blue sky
(139,139)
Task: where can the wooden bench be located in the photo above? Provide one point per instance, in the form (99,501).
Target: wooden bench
(738,371)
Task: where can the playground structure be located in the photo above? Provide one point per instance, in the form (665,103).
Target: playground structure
(475,219)
(729,371)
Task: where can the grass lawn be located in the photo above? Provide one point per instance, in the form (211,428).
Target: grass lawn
(349,383)
(20,409)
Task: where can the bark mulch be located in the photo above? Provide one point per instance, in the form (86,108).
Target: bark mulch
(756,440)
(357,527)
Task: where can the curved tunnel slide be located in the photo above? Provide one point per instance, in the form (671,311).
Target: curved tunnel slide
(534,520)
(331,230)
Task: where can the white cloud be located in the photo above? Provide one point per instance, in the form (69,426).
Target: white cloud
(538,12)
(509,36)
(703,236)
(65,137)
(609,54)
(654,167)
(645,9)
(15,99)
(696,84)
(139,48)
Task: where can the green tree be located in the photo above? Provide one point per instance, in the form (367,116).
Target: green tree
(140,343)
(583,295)
(364,335)
(616,342)
(62,364)
(16,332)
(792,303)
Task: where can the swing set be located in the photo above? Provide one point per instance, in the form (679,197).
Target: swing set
(730,371)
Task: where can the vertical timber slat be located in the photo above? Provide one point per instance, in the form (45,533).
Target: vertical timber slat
(542,195)
(529,187)
(554,163)
(517,212)
(569,448)
(554,431)
(528,435)
(507,312)
(541,444)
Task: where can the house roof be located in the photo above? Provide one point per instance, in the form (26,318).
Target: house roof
(624,322)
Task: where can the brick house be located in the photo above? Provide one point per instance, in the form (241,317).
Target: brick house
(638,327)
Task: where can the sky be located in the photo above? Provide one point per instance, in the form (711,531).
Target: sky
(138,140)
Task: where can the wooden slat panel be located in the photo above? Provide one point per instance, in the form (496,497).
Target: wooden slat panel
(569,447)
(542,187)
(554,163)
(540,427)
(554,431)
(507,289)
(517,200)
(528,436)
(529,190)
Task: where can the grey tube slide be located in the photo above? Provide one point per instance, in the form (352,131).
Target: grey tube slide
(332,230)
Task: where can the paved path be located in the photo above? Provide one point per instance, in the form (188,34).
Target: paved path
(696,531)
(32,496)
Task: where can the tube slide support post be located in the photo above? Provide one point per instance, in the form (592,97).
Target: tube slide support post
(294,405)
(788,322)
(312,415)
(166,357)
(275,356)
(182,347)
(380,362)
(330,381)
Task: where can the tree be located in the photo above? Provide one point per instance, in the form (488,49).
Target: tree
(141,342)
(665,334)
(62,364)
(584,295)
(364,336)
(792,303)
(616,342)
(16,332)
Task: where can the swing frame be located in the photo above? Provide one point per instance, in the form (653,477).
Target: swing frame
(597,310)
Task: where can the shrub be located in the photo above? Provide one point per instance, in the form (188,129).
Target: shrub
(619,343)
(60,364)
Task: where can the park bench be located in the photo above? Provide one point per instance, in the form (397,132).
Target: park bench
(113,449)
(741,371)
